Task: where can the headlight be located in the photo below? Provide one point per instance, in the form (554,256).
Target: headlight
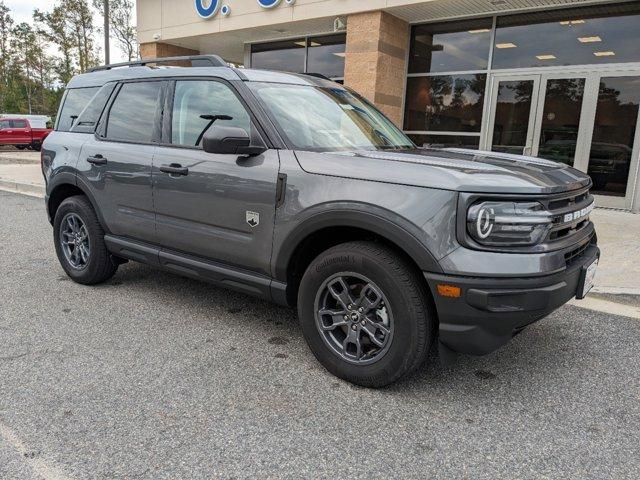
(508,223)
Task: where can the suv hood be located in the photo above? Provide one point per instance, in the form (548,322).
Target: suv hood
(449,169)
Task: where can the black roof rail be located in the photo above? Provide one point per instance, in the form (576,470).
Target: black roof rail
(316,75)
(196,61)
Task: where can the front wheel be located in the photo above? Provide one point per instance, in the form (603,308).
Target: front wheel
(365,313)
(79,242)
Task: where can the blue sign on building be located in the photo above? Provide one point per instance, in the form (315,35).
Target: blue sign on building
(207,12)
(268,3)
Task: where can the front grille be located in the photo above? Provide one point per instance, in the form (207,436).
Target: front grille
(564,206)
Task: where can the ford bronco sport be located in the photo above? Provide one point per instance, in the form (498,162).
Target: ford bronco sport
(295,189)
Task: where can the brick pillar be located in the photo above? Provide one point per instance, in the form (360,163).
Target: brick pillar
(375,63)
(159,49)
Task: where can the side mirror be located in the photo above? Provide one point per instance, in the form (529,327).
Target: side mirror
(229,140)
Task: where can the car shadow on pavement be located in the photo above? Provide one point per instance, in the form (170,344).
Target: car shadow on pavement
(518,364)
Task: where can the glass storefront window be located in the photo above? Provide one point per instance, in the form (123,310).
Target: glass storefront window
(568,37)
(285,56)
(613,134)
(447,47)
(326,56)
(445,103)
(446,141)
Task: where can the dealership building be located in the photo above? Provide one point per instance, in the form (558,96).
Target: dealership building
(558,79)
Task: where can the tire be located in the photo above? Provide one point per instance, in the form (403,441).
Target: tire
(404,309)
(36,146)
(99,265)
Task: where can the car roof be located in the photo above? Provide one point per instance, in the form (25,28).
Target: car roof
(100,77)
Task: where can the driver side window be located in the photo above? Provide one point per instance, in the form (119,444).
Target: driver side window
(197,103)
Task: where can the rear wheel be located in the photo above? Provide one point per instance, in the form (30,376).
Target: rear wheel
(365,313)
(79,242)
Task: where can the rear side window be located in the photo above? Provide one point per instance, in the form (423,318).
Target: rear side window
(74,102)
(18,124)
(196,103)
(5,124)
(88,119)
(132,115)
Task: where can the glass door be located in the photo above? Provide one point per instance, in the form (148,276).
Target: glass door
(513,108)
(559,127)
(612,157)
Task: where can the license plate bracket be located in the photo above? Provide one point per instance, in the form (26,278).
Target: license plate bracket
(587,279)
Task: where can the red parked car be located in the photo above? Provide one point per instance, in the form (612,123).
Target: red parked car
(22,132)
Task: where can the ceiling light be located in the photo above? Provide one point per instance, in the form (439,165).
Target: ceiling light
(572,22)
(480,30)
(301,43)
(546,57)
(506,45)
(589,39)
(315,44)
(604,54)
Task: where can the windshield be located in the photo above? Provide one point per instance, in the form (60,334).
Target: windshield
(328,119)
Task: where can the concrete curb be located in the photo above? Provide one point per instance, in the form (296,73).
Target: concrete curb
(30,189)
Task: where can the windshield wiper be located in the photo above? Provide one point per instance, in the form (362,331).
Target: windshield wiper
(211,118)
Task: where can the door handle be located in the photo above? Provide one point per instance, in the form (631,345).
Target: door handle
(97,160)
(174,169)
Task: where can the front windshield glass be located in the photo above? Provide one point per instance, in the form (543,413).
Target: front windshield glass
(328,119)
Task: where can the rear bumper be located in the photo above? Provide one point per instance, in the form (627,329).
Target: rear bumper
(490,311)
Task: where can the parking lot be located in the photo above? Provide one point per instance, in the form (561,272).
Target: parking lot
(156,376)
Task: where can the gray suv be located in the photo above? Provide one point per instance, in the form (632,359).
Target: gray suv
(294,189)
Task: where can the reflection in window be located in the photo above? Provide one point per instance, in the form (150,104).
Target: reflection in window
(132,114)
(513,109)
(445,103)
(447,47)
(285,56)
(568,37)
(561,119)
(195,99)
(74,103)
(446,141)
(613,134)
(326,55)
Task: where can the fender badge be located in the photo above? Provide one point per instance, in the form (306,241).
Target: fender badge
(253,219)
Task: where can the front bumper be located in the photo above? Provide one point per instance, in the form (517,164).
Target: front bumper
(490,311)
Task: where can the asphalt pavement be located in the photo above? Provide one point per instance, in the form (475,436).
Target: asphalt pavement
(156,376)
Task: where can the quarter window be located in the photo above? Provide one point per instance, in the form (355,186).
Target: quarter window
(132,117)
(198,104)
(74,102)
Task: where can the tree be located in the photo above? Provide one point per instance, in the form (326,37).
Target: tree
(6,52)
(121,24)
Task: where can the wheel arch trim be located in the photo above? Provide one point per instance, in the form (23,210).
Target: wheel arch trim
(72,179)
(399,235)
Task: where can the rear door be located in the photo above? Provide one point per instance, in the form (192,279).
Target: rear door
(221,207)
(21,132)
(116,162)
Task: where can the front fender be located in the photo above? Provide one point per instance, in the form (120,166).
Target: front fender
(398,231)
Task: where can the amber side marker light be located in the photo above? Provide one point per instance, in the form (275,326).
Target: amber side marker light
(449,291)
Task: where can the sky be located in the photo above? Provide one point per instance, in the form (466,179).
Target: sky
(22,10)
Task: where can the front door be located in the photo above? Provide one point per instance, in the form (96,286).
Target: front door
(218,207)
